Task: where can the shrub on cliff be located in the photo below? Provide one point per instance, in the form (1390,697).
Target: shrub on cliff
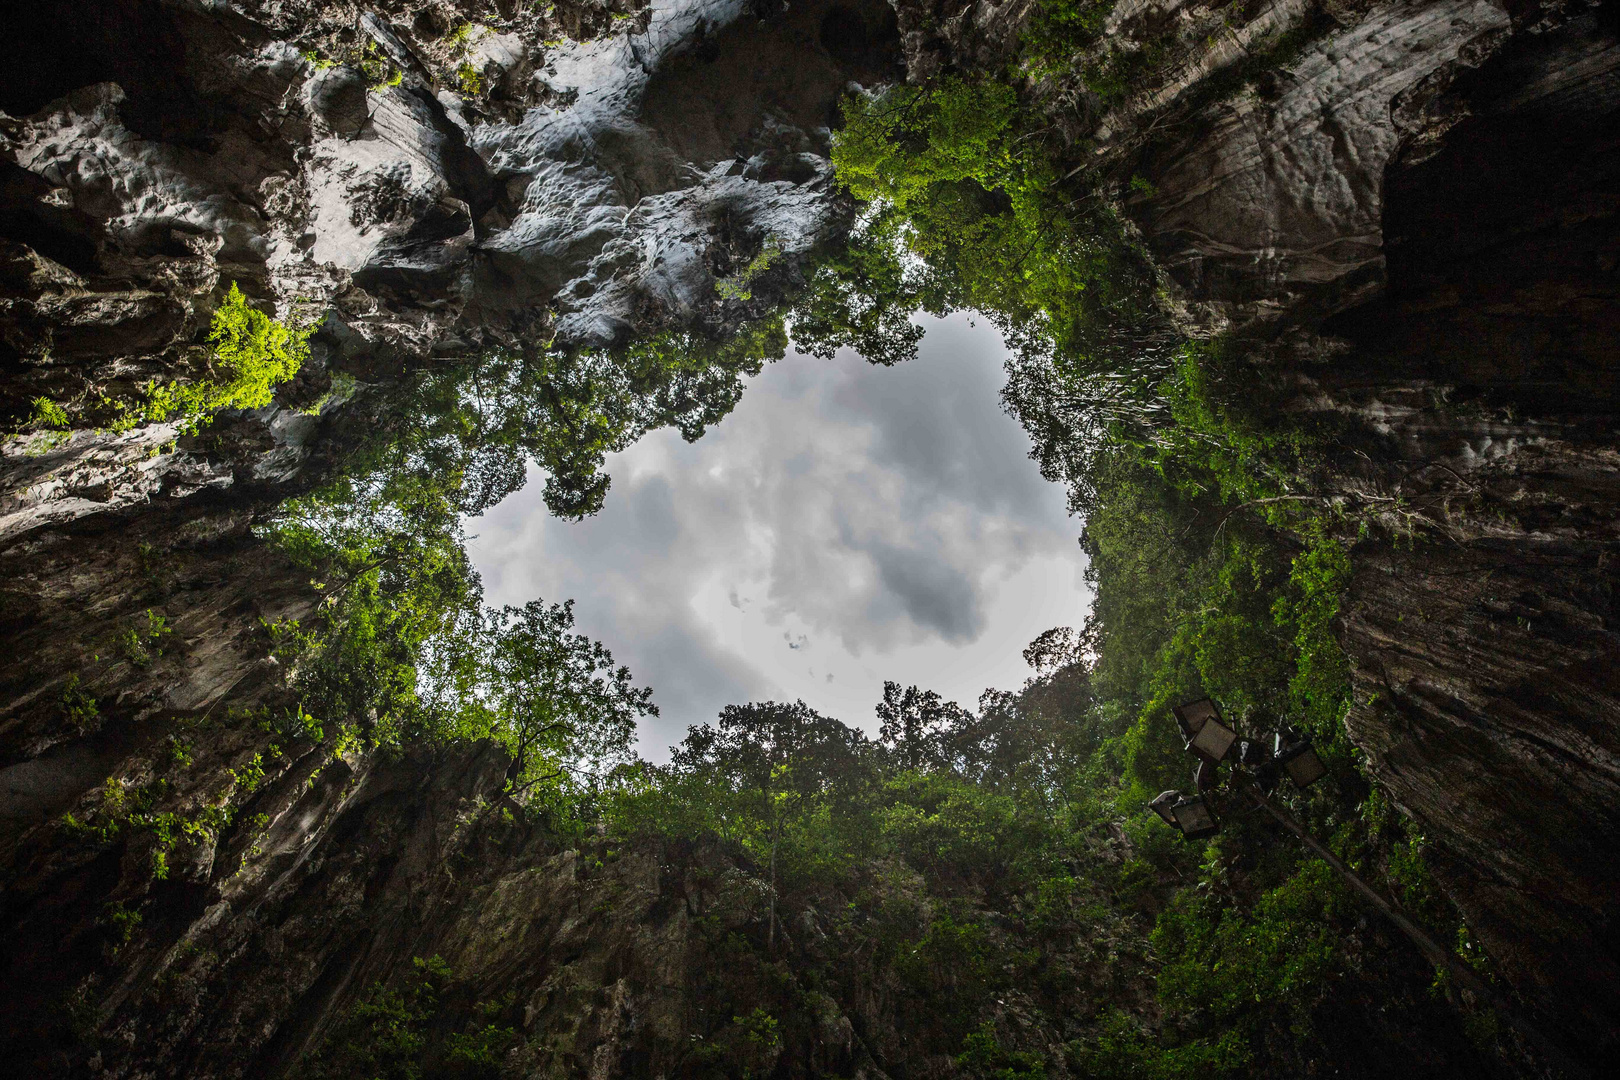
(250,355)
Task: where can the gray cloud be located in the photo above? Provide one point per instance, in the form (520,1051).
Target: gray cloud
(844,520)
(933,594)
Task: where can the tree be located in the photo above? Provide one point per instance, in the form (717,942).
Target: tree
(553,698)
(385,536)
(916,726)
(775,757)
(860,298)
(1055,648)
(251,354)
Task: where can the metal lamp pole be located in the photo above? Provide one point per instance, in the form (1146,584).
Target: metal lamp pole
(1437,954)
(1212,741)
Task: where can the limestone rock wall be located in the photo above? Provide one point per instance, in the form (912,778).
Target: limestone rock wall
(1413,212)
(1414,219)
(189,889)
(1408,210)
(427,180)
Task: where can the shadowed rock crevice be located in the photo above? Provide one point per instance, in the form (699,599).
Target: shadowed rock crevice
(1415,218)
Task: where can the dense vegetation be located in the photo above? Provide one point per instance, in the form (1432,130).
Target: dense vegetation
(994,867)
(1217,570)
(248,355)
(403,647)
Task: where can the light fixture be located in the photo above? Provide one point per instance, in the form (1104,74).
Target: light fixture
(1256,773)
(1298,758)
(1206,733)
(1161,806)
(1195,817)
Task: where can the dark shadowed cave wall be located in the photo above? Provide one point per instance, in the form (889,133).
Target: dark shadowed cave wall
(1420,226)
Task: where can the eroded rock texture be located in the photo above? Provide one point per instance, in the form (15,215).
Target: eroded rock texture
(1409,208)
(347,871)
(1415,214)
(1488,655)
(1421,218)
(433,179)
(429,179)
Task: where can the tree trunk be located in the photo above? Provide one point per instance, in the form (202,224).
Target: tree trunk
(770,934)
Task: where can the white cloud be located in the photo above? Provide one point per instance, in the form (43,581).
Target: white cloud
(845,525)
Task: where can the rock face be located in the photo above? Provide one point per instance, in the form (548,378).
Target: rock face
(338,164)
(1273,209)
(1487,657)
(1417,219)
(430,179)
(346,873)
(1409,208)
(1414,211)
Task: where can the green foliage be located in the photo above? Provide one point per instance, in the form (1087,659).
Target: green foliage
(154,815)
(859,297)
(1320,686)
(737,286)
(130,811)
(938,821)
(250,355)
(966,209)
(902,147)
(959,848)
(834,820)
(469,78)
(141,642)
(914,725)
(256,353)
(759,1027)
(121,922)
(295,723)
(386,1032)
(1057,29)
(460,37)
(963,857)
(1281,952)
(78,707)
(983,1056)
(378,69)
(1120,1049)
(1229,438)
(479,1050)
(953,181)
(398,1032)
(968,871)
(951,961)
(402,647)
(554,699)
(342,389)
(48,414)
(177,752)
(51,425)
(1065,39)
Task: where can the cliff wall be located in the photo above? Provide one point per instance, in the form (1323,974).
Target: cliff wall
(1406,210)
(1413,213)
(1446,289)
(430,181)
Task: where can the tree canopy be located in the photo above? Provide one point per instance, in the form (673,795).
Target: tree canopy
(961,858)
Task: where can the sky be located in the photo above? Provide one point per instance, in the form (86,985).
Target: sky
(845,525)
